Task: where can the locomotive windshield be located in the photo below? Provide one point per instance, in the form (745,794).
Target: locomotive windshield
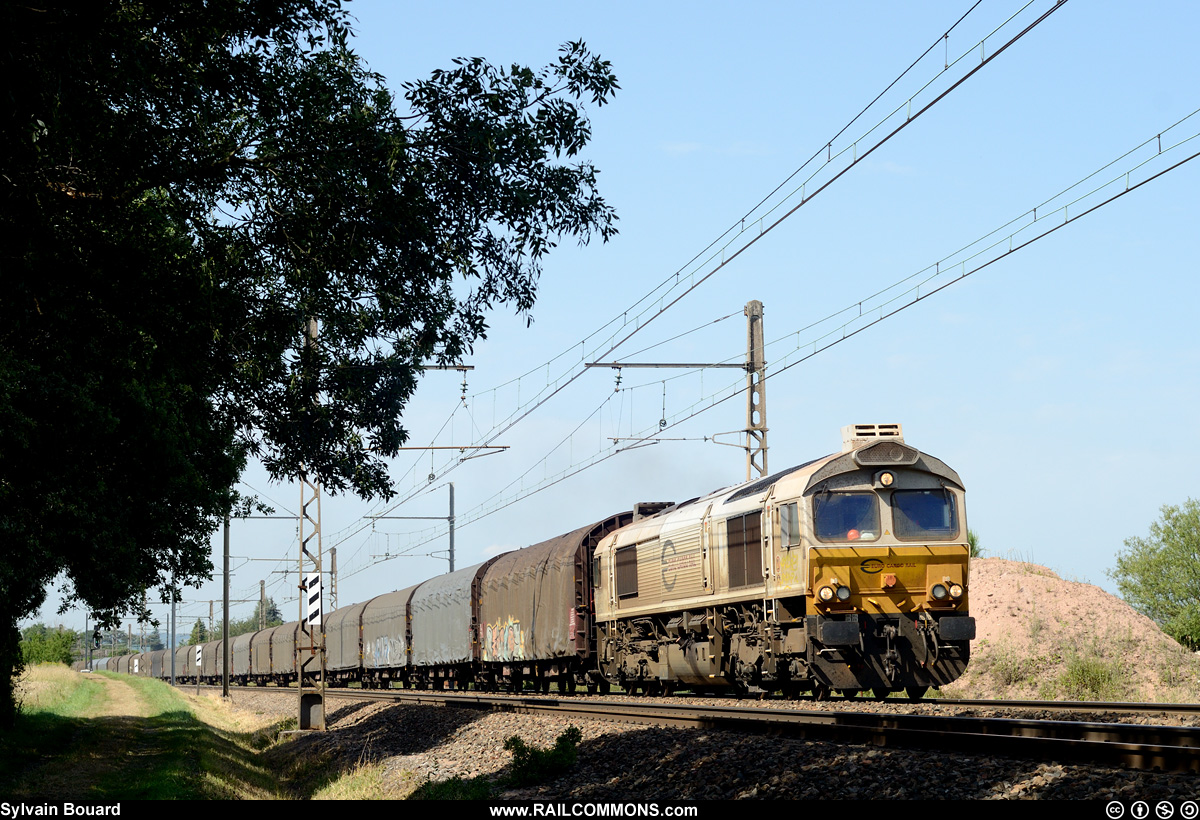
(924,514)
(846,516)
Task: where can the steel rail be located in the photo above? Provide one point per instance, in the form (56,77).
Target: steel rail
(1134,746)
(1074,706)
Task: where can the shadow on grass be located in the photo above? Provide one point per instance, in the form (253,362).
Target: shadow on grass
(168,756)
(310,762)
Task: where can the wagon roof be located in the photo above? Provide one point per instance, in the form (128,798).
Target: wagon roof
(566,544)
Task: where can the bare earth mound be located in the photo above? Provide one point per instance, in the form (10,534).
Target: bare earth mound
(1039,636)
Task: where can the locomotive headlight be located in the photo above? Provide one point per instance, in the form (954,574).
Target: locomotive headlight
(939,592)
(886,478)
(825,594)
(843,593)
(956,591)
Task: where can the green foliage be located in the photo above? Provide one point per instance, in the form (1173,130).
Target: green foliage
(455,788)
(273,618)
(1008,668)
(40,644)
(1159,575)
(199,633)
(973,541)
(533,765)
(186,186)
(1089,678)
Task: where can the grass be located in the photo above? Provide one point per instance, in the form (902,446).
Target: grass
(1006,666)
(1087,678)
(105,737)
(115,737)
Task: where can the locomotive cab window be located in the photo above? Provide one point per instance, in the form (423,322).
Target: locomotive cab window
(846,516)
(924,514)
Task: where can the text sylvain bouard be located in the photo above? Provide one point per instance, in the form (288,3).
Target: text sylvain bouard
(58,810)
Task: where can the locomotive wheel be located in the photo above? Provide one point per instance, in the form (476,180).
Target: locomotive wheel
(915,693)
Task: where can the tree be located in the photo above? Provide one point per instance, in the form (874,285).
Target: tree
(199,633)
(1159,576)
(40,644)
(251,624)
(186,186)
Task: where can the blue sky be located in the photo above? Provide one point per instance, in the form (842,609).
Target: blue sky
(1059,382)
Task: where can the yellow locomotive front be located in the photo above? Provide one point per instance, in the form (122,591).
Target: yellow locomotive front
(878,541)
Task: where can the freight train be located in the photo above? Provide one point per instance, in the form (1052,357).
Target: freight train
(843,574)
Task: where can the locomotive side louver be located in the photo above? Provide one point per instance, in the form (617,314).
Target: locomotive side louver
(885,454)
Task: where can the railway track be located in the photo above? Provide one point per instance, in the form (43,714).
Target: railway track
(1133,746)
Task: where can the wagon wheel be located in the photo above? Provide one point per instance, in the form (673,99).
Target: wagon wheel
(544,684)
(851,694)
(568,680)
(880,695)
(915,693)
(820,691)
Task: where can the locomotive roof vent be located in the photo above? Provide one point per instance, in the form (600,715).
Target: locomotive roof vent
(860,435)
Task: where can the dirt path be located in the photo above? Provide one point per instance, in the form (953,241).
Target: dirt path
(99,751)
(122,700)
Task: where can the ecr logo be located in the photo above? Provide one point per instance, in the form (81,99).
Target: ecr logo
(668,584)
(871,566)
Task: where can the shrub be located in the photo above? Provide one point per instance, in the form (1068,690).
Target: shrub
(533,765)
(1089,679)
